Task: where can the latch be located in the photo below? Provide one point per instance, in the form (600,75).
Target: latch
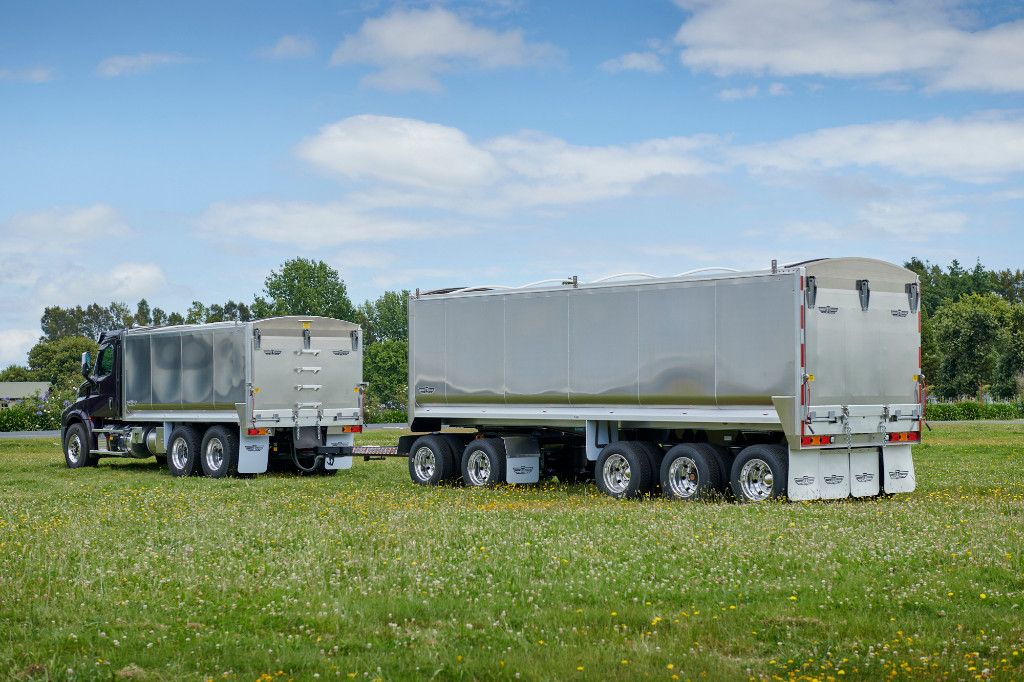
(864,289)
(312,370)
(257,337)
(355,340)
(913,296)
(308,387)
(811,292)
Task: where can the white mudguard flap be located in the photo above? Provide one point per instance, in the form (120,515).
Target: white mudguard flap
(522,459)
(253,453)
(337,439)
(834,474)
(803,475)
(864,479)
(898,469)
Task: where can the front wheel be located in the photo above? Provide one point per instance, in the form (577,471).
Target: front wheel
(760,473)
(76,448)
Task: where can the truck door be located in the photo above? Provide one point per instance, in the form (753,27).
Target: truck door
(103,391)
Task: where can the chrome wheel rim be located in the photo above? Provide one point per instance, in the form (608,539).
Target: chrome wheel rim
(424,463)
(74,448)
(757,480)
(478,468)
(683,477)
(214,454)
(179,453)
(616,474)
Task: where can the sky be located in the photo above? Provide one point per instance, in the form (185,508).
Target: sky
(182,151)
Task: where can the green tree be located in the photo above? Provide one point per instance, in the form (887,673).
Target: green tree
(59,361)
(17,373)
(385,368)
(972,333)
(196,313)
(143,314)
(159,317)
(931,353)
(387,318)
(175,319)
(1010,381)
(304,287)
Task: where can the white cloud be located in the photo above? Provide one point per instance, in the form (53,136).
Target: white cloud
(15,344)
(733,94)
(123,65)
(308,223)
(648,62)
(399,151)
(979,149)
(859,38)
(290,47)
(33,74)
(78,284)
(410,48)
(778,89)
(62,229)
(513,171)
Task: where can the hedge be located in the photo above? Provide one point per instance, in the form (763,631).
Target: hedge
(967,410)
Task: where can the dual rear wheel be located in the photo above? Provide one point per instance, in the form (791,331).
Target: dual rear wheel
(214,454)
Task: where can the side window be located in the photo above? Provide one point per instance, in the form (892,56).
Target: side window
(105,362)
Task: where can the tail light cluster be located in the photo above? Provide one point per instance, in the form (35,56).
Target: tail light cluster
(904,437)
(812,441)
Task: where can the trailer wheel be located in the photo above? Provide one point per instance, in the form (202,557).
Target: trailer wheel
(483,463)
(431,461)
(655,455)
(690,472)
(760,473)
(219,452)
(723,458)
(183,452)
(623,470)
(76,448)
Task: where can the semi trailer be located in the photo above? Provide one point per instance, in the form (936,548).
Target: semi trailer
(223,398)
(801,381)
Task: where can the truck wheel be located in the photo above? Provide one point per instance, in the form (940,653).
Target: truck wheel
(483,463)
(623,470)
(723,458)
(219,452)
(76,448)
(760,473)
(431,461)
(690,472)
(183,452)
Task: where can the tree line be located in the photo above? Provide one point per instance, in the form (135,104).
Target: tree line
(972,329)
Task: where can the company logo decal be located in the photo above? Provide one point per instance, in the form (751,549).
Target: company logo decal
(254,448)
(834,479)
(271,351)
(426,390)
(804,480)
(523,469)
(899,313)
(828,309)
(341,352)
(896,474)
(864,478)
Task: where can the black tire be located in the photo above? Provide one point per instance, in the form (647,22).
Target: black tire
(757,487)
(161,460)
(654,455)
(724,458)
(219,452)
(691,471)
(186,461)
(437,459)
(623,470)
(484,463)
(77,446)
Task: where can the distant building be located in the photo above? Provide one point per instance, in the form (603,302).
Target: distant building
(13,392)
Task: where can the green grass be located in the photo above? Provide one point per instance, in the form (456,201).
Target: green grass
(122,572)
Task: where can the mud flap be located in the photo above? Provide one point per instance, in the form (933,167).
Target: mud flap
(253,453)
(338,440)
(803,475)
(864,479)
(898,469)
(833,474)
(522,459)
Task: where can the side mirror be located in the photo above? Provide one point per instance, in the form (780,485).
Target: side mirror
(86,364)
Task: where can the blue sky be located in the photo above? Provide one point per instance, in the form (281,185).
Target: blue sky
(180,151)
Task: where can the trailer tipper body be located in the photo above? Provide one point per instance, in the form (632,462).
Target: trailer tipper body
(223,398)
(801,381)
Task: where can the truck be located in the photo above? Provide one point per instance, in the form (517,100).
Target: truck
(802,381)
(221,399)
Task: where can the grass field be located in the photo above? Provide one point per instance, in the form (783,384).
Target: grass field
(122,572)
